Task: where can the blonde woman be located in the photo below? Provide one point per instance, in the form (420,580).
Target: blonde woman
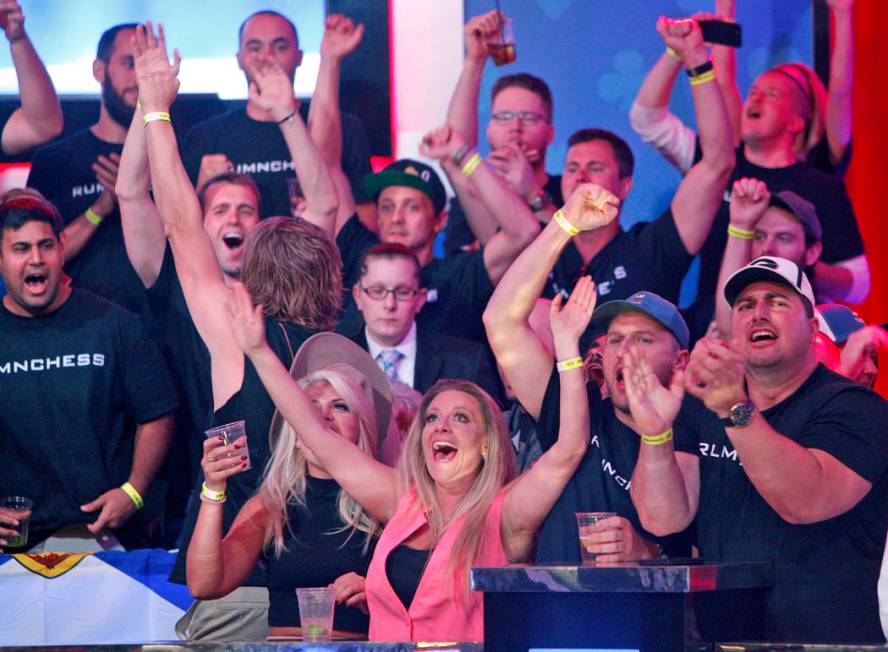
(451,504)
(307,529)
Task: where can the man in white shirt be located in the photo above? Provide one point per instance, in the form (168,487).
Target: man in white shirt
(389,297)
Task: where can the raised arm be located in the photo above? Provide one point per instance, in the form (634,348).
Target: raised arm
(841,80)
(341,37)
(700,193)
(272,91)
(216,566)
(749,201)
(725,60)
(139,219)
(81,229)
(39,119)
(525,360)
(532,495)
(517,226)
(196,265)
(365,479)
(803,485)
(665,485)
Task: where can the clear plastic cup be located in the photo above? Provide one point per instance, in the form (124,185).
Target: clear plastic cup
(585,521)
(231,433)
(316,612)
(502,50)
(21,508)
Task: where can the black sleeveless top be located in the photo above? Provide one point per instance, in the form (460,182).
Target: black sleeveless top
(317,553)
(404,568)
(252,404)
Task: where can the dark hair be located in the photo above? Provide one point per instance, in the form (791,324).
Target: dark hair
(234,178)
(528,82)
(622,152)
(21,208)
(267,12)
(388,251)
(106,41)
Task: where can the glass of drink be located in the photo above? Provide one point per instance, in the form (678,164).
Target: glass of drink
(316,612)
(502,50)
(585,521)
(234,432)
(21,510)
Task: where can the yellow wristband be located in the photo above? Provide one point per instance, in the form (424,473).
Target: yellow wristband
(570,363)
(93,217)
(154,116)
(472,164)
(130,491)
(673,53)
(565,225)
(743,234)
(657,440)
(216,496)
(707,76)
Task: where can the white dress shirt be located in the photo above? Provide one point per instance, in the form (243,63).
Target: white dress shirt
(407,346)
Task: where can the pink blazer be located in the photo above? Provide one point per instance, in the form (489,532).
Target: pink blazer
(435,613)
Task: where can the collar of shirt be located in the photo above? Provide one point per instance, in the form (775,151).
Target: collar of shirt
(407,346)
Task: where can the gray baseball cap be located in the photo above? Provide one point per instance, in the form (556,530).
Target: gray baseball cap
(802,210)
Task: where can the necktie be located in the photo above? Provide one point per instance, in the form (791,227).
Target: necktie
(390,358)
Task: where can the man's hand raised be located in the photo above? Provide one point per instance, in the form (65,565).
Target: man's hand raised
(591,207)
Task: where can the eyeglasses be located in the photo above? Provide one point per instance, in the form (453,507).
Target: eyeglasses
(401,293)
(526,117)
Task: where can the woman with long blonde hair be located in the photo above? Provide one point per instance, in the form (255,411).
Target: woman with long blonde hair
(452,502)
(301,523)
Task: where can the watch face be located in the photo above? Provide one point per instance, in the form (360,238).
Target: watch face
(741,414)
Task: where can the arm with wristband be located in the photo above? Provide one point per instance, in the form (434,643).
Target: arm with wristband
(525,360)
(533,495)
(749,200)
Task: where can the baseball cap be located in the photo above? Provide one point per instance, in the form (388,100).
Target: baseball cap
(770,268)
(802,209)
(838,321)
(652,305)
(410,173)
(329,351)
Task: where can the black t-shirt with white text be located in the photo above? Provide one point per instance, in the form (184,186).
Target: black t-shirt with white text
(826,572)
(76,384)
(602,480)
(259,150)
(649,256)
(63,172)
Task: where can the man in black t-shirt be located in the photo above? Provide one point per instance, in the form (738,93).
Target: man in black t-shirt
(78,174)
(248,140)
(519,132)
(652,256)
(791,469)
(645,322)
(86,424)
(410,204)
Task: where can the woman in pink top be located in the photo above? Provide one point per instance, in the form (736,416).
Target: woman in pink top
(452,502)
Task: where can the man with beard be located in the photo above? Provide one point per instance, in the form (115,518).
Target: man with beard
(249,140)
(791,468)
(645,321)
(85,425)
(78,174)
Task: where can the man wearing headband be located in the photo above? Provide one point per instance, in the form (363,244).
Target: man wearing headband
(792,467)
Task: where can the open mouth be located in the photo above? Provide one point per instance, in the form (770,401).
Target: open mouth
(762,335)
(36,282)
(620,378)
(754,114)
(443,451)
(233,240)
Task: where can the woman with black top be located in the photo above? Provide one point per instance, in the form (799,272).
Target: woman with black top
(290,266)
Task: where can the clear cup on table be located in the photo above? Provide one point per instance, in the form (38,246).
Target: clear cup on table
(19,508)
(585,523)
(316,612)
(231,433)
